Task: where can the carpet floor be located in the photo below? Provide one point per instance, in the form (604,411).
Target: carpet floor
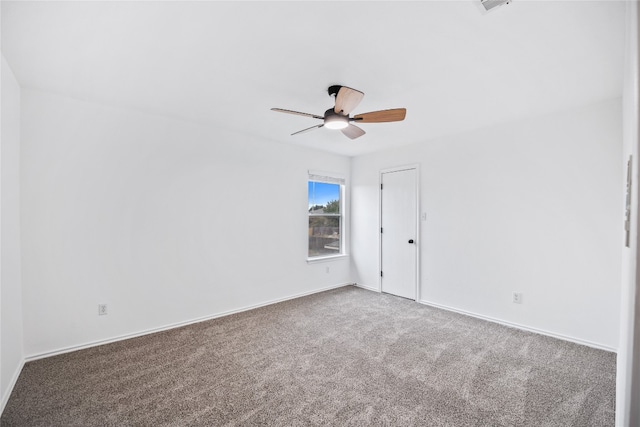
(345,357)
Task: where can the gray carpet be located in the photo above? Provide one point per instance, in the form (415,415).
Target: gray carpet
(346,357)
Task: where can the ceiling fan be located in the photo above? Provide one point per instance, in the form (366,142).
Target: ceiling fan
(338,117)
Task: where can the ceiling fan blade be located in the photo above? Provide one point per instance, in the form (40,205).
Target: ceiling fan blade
(297,113)
(346,100)
(393,115)
(353,131)
(308,129)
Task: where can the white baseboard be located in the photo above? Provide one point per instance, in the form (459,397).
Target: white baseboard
(12,384)
(175,325)
(369,288)
(522,327)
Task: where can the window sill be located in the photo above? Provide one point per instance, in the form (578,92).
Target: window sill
(326,258)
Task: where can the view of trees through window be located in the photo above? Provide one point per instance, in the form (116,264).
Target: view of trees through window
(325,219)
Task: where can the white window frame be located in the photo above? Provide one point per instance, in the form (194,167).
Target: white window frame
(331,178)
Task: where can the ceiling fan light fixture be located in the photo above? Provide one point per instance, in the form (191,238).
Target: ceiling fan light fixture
(335,121)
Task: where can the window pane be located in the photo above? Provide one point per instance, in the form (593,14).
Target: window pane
(324,235)
(324,198)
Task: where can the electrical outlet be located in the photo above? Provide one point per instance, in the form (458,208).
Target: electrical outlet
(517,298)
(102,309)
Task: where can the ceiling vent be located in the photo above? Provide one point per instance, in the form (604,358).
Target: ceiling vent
(492,4)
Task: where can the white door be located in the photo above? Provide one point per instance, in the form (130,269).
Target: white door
(399,233)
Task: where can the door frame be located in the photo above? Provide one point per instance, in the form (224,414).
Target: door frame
(416,167)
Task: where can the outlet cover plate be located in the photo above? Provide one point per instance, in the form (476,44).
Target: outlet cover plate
(517,298)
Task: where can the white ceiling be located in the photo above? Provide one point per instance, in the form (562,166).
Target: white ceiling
(227,63)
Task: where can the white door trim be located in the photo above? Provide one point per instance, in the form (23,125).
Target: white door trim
(416,167)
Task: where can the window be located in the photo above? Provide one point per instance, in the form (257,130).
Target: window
(326,216)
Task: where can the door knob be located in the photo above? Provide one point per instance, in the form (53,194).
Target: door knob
(410,240)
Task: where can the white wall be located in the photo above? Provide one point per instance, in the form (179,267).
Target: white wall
(11,333)
(628,373)
(531,206)
(162,220)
